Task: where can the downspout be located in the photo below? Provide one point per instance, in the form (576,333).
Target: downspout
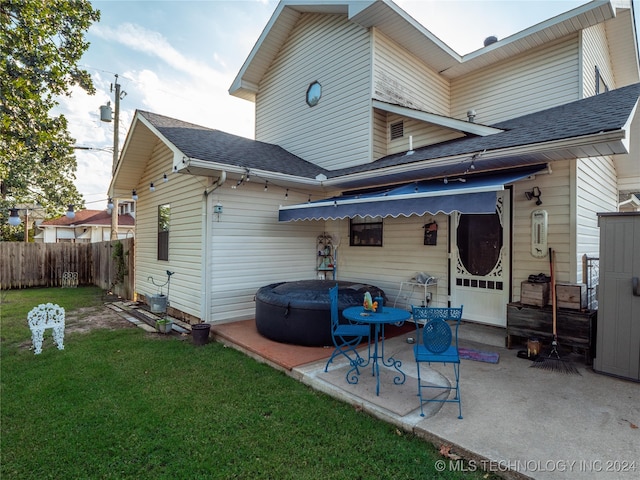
(207,232)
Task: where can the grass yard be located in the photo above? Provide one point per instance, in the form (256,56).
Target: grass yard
(122,403)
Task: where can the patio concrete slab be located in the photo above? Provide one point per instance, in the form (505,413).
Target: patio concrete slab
(519,422)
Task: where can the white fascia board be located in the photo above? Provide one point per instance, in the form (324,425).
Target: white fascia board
(567,16)
(178,155)
(627,127)
(276,177)
(125,147)
(446,122)
(617,136)
(422,30)
(240,87)
(358,6)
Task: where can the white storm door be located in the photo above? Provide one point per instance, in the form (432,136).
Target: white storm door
(480,263)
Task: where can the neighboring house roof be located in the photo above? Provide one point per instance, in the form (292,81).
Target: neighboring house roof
(89,218)
(396,24)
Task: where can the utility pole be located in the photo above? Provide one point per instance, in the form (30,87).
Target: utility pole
(105,116)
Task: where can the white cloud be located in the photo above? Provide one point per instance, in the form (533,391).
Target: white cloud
(154,44)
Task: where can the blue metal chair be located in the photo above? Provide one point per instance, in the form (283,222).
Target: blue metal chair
(438,344)
(346,336)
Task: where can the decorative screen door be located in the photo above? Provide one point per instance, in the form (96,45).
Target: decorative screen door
(480,263)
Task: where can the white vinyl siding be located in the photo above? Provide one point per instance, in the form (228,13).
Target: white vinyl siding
(597,192)
(596,54)
(249,248)
(422,134)
(380,133)
(401,78)
(556,197)
(184,194)
(402,255)
(336,132)
(544,78)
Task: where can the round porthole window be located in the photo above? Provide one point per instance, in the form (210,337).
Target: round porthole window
(314,92)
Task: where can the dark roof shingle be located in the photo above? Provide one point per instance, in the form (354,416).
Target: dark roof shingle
(212,145)
(601,113)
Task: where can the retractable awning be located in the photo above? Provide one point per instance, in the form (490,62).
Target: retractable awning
(466,194)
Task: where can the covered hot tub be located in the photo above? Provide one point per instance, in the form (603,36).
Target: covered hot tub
(299,312)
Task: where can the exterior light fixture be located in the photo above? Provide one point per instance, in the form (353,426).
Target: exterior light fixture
(535,193)
(14,218)
(70,213)
(152,187)
(165,179)
(134,195)
(110,204)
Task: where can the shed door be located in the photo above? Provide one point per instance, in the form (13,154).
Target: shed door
(618,332)
(480,264)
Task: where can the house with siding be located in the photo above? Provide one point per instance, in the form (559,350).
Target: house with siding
(87,226)
(412,158)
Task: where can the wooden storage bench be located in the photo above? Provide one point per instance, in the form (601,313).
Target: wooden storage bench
(576,329)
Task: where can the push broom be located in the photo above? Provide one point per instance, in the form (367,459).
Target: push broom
(552,361)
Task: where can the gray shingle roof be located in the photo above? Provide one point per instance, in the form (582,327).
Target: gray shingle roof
(601,113)
(212,145)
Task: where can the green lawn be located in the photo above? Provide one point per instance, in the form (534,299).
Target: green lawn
(122,403)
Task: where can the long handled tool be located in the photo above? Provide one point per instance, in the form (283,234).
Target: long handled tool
(552,361)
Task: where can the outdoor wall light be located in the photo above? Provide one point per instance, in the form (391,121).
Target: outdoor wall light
(152,187)
(217,210)
(134,195)
(14,218)
(110,204)
(165,179)
(70,213)
(535,193)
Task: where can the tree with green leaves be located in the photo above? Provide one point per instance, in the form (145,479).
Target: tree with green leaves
(41,43)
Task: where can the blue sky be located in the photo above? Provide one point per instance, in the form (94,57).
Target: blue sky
(179,58)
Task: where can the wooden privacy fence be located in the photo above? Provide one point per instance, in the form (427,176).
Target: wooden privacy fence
(25,265)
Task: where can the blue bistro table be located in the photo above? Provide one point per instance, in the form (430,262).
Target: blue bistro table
(376,356)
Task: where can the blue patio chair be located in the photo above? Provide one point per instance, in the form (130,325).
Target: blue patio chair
(346,336)
(437,344)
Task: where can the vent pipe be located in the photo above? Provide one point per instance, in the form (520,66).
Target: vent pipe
(489,40)
(471,115)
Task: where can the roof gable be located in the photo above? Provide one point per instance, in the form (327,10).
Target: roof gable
(395,23)
(201,150)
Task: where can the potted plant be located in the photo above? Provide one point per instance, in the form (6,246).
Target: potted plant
(164,325)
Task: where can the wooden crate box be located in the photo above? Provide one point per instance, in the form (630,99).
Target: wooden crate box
(536,294)
(571,295)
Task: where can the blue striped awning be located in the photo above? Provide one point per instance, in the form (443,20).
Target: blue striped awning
(467,194)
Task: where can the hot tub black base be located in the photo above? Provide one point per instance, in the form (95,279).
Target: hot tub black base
(299,312)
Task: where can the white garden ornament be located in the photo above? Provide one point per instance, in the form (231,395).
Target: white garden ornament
(46,315)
